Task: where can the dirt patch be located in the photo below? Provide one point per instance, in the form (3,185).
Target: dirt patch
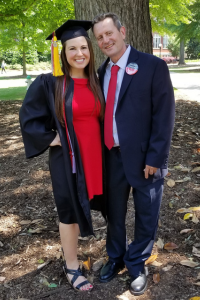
(29,234)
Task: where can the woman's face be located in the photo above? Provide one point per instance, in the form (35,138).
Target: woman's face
(77,52)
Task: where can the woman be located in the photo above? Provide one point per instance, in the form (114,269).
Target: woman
(64,115)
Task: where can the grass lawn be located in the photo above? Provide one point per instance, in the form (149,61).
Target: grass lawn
(13,93)
(192,60)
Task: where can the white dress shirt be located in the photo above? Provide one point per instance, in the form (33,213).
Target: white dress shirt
(122,62)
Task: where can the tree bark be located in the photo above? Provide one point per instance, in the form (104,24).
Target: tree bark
(24,55)
(24,63)
(133,14)
(182,52)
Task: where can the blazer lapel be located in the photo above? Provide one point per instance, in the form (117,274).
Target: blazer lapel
(101,72)
(133,56)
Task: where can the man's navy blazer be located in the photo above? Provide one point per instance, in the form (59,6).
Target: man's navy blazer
(144,117)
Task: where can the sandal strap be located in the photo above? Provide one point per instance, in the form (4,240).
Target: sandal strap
(75,273)
(82,284)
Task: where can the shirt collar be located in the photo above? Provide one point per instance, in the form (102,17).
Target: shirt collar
(122,62)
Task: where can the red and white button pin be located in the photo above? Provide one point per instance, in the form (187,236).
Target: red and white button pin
(132,68)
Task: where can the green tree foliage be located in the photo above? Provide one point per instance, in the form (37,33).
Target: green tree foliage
(24,25)
(15,57)
(193,48)
(169,12)
(11,57)
(191,28)
(188,30)
(173,46)
(44,57)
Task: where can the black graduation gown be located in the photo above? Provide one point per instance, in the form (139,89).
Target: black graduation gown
(39,123)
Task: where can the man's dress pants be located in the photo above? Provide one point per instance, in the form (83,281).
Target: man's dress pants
(147,201)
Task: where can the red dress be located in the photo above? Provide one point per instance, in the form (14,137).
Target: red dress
(87,129)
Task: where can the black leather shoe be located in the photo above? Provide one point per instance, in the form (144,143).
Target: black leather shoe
(138,285)
(110,270)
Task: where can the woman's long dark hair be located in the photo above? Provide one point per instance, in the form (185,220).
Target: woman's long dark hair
(94,85)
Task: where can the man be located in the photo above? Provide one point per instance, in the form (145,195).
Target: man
(3,65)
(138,126)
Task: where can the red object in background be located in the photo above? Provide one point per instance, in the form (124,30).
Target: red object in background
(169,59)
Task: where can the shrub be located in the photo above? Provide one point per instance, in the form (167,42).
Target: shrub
(174,46)
(39,66)
(44,57)
(193,49)
(14,67)
(11,57)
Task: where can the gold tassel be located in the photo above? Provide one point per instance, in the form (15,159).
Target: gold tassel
(56,68)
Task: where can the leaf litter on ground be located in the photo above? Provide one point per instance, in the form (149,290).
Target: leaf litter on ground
(87,264)
(171,183)
(156,278)
(186,231)
(160,243)
(167,268)
(170,246)
(197,169)
(195,219)
(187,216)
(189,263)
(151,259)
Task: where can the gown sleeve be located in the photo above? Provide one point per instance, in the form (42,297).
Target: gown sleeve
(36,118)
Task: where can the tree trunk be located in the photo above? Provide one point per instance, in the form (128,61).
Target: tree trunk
(133,14)
(24,63)
(182,52)
(24,53)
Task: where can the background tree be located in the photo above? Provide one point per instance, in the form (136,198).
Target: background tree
(139,17)
(173,46)
(134,15)
(186,31)
(24,25)
(193,48)
(169,12)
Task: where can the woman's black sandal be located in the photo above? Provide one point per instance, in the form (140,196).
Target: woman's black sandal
(76,274)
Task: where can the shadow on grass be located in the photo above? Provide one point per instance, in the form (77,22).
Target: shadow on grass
(185,71)
(13,93)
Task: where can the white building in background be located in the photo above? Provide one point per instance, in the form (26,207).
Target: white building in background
(160,44)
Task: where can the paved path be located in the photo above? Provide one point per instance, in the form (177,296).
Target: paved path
(12,83)
(16,82)
(188,84)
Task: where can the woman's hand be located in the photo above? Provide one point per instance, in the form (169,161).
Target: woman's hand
(56,141)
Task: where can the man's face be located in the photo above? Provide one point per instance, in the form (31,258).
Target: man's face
(110,40)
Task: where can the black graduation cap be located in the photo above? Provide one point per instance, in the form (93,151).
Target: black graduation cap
(71,29)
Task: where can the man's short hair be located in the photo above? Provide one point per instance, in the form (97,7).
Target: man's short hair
(104,16)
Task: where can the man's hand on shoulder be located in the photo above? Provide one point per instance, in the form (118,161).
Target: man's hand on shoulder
(149,171)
